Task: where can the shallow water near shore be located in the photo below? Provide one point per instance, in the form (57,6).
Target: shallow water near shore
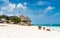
(48,25)
(55,27)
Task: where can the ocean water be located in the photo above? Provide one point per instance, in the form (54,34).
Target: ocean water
(48,25)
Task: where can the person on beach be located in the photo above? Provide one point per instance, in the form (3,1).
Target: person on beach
(39,27)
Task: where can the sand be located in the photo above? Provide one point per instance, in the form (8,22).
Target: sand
(18,31)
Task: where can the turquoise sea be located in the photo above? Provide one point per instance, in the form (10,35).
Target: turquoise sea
(48,25)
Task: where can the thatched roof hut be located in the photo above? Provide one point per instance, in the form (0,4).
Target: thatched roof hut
(2,20)
(25,20)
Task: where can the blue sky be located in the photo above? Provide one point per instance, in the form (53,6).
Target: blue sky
(39,11)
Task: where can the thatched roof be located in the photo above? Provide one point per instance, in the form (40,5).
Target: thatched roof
(3,19)
(25,18)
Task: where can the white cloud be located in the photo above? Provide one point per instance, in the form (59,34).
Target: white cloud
(9,8)
(21,6)
(13,8)
(48,9)
(25,3)
(24,7)
(42,3)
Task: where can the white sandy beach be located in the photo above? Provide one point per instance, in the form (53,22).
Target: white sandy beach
(18,31)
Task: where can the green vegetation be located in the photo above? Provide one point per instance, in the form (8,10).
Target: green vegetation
(4,16)
(16,20)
